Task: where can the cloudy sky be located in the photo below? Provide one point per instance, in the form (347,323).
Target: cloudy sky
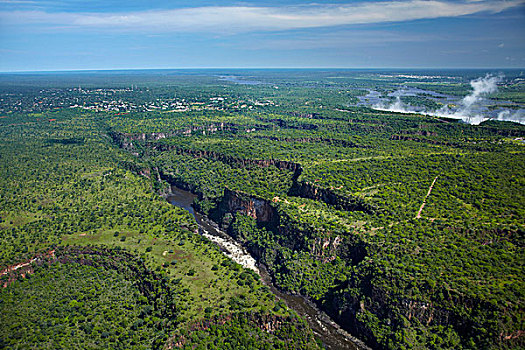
(109,34)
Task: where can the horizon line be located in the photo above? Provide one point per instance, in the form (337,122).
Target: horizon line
(85,70)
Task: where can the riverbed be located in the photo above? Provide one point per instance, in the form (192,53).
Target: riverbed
(330,333)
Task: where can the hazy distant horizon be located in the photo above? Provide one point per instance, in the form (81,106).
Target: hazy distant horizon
(398,69)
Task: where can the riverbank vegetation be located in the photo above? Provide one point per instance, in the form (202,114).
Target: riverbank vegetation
(59,191)
(407,229)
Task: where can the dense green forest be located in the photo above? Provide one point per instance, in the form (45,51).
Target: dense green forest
(407,229)
(64,184)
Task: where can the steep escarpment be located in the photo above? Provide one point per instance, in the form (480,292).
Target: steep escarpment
(252,206)
(246,330)
(358,274)
(448,317)
(370,302)
(126,140)
(325,140)
(231,160)
(311,191)
(176,181)
(286,231)
(152,286)
(298,188)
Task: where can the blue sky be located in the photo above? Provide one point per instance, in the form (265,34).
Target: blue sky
(69,35)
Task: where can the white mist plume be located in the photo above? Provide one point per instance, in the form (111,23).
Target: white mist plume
(467,110)
(481,86)
(517,117)
(399,106)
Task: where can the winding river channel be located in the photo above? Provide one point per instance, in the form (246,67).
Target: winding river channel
(332,336)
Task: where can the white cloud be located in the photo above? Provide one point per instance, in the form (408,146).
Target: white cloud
(247,18)
(333,39)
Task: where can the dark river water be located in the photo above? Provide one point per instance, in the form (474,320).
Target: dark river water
(332,336)
(240,80)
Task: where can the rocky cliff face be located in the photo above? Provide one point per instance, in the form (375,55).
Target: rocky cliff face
(265,322)
(350,310)
(175,181)
(151,285)
(125,140)
(450,310)
(257,208)
(293,125)
(311,191)
(338,142)
(325,249)
(418,139)
(288,234)
(155,136)
(301,189)
(234,161)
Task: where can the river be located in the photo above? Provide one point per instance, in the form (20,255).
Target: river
(332,336)
(484,108)
(240,80)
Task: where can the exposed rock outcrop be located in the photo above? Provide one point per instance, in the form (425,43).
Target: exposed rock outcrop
(265,322)
(329,141)
(294,125)
(311,191)
(257,208)
(11,273)
(325,249)
(125,140)
(231,160)
(418,139)
(151,285)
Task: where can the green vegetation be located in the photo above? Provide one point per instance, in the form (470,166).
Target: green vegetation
(75,306)
(243,331)
(408,230)
(59,190)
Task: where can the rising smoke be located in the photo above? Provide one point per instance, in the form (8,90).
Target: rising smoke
(469,109)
